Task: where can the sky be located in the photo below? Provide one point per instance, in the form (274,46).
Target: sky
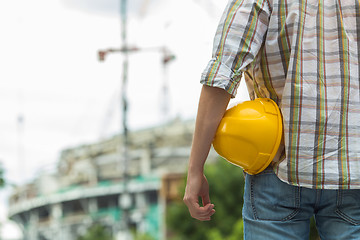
(56,94)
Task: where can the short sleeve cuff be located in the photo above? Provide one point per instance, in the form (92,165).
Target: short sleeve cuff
(217,74)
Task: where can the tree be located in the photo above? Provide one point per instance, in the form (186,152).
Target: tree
(143,236)
(96,232)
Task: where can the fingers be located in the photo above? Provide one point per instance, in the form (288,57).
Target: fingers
(198,212)
(207,212)
(206,199)
(204,213)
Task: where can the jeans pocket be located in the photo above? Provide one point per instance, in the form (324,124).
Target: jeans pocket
(348,205)
(272,199)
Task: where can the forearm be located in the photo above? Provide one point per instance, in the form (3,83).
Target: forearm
(212,106)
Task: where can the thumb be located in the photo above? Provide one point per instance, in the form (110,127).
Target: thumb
(206,199)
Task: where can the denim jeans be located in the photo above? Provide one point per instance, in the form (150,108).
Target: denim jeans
(274,210)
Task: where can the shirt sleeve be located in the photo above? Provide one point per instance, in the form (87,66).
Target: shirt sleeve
(238,39)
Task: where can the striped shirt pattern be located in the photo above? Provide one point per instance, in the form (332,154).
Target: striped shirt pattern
(304,55)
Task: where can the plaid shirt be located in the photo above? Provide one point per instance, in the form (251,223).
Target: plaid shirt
(303,54)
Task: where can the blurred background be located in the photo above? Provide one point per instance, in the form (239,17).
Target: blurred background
(75,162)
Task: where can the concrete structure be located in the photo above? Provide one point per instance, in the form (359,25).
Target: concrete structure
(88,186)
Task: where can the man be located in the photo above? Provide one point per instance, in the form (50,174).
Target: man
(304,55)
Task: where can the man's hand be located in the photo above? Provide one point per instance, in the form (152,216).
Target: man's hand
(197,186)
(212,106)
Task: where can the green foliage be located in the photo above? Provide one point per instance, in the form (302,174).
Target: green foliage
(226,191)
(236,234)
(238,231)
(143,237)
(96,232)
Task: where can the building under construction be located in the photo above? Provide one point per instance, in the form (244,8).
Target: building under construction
(90,186)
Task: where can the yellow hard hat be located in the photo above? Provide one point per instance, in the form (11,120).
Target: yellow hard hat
(249,134)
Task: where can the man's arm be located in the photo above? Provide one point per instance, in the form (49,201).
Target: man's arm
(212,106)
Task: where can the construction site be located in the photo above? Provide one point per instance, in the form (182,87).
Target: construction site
(90,186)
(123,182)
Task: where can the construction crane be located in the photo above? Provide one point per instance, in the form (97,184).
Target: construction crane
(20,122)
(125,50)
(166,58)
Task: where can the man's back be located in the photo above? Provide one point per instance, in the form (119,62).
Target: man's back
(305,56)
